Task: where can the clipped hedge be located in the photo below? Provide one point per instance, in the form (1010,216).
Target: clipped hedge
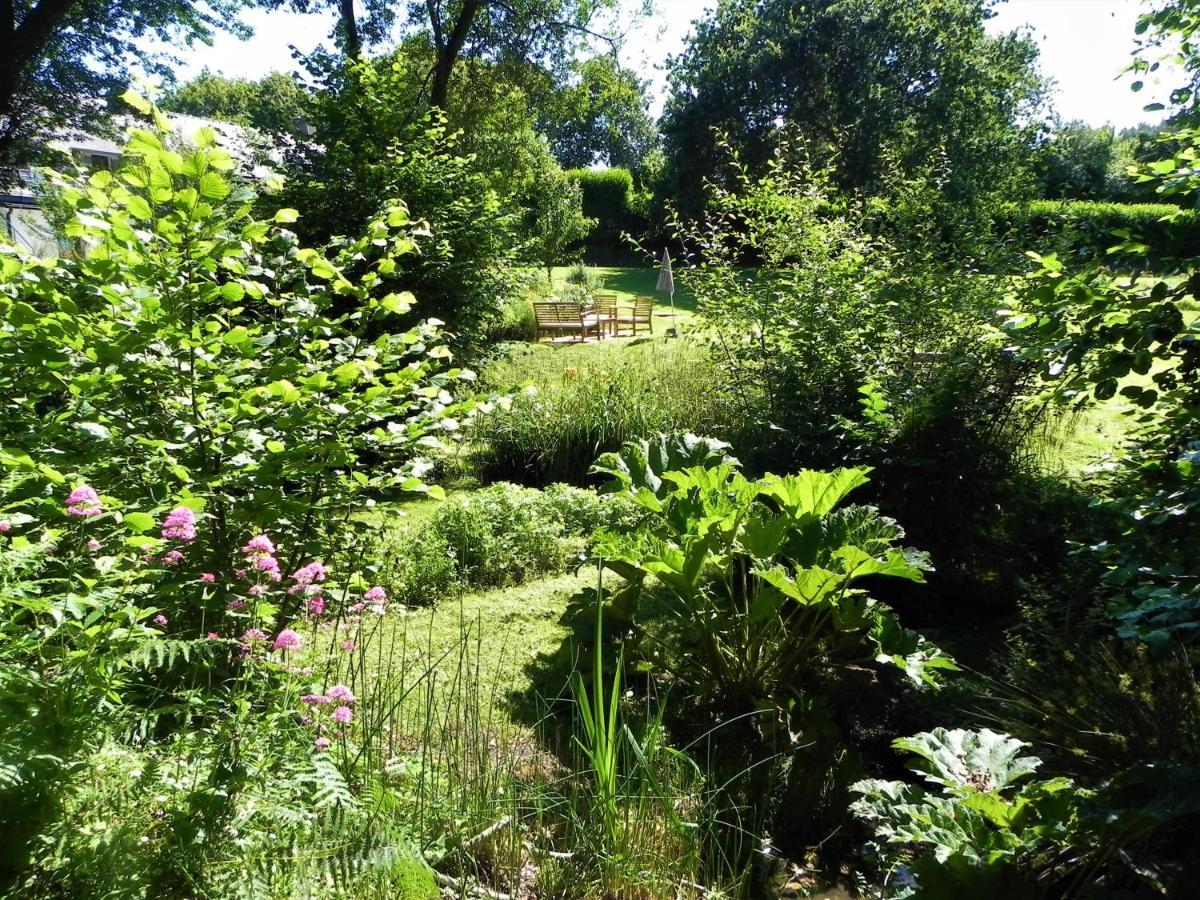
(609,198)
(1087,229)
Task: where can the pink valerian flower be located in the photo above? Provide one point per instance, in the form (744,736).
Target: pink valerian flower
(5,526)
(213,636)
(250,635)
(171,557)
(235,604)
(239,573)
(348,646)
(84,501)
(260,544)
(315,699)
(358,607)
(256,590)
(306,575)
(93,545)
(341,694)
(288,640)
(160,619)
(322,743)
(268,565)
(376,595)
(208,577)
(180,524)
(343,714)
(316,605)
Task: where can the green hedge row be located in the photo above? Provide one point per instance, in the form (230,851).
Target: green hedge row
(1084,228)
(609,198)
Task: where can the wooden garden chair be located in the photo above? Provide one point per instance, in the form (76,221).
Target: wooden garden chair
(642,313)
(607,312)
(558,319)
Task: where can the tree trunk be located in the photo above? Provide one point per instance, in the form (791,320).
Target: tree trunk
(350,26)
(447,53)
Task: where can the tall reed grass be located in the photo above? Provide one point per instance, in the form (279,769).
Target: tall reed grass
(570,404)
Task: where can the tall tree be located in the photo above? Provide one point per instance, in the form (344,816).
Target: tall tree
(600,117)
(60,59)
(272,104)
(878,84)
(542,32)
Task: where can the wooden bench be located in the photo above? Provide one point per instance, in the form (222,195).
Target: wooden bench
(558,319)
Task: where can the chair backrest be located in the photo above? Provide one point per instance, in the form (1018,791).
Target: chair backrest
(556,313)
(643,306)
(606,304)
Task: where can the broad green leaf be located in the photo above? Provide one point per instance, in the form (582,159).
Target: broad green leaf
(963,760)
(139,522)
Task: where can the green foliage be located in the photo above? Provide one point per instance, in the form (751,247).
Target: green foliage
(499,536)
(366,149)
(556,219)
(601,117)
(1095,334)
(273,104)
(609,198)
(1083,231)
(561,407)
(981,833)
(192,351)
(750,65)
(69,641)
(851,342)
(757,577)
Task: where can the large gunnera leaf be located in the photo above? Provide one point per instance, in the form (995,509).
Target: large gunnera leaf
(639,465)
(969,760)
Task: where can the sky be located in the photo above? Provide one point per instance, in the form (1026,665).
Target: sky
(1084,46)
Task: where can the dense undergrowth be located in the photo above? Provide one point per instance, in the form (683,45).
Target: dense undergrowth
(694,601)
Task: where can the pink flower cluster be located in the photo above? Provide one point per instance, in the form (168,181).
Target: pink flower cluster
(308,575)
(260,551)
(84,501)
(180,524)
(288,640)
(5,526)
(342,699)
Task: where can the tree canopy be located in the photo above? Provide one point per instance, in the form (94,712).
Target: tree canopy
(600,117)
(271,104)
(60,59)
(872,83)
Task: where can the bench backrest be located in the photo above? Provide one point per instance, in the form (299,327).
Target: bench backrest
(553,313)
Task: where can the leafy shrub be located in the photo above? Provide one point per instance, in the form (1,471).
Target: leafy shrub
(846,347)
(757,575)
(981,834)
(516,323)
(581,275)
(568,405)
(609,198)
(499,536)
(365,152)
(191,351)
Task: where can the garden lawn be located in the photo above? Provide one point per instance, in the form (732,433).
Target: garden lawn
(482,648)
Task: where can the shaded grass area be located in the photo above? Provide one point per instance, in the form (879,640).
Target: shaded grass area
(507,632)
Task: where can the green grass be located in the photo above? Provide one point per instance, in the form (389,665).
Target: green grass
(506,631)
